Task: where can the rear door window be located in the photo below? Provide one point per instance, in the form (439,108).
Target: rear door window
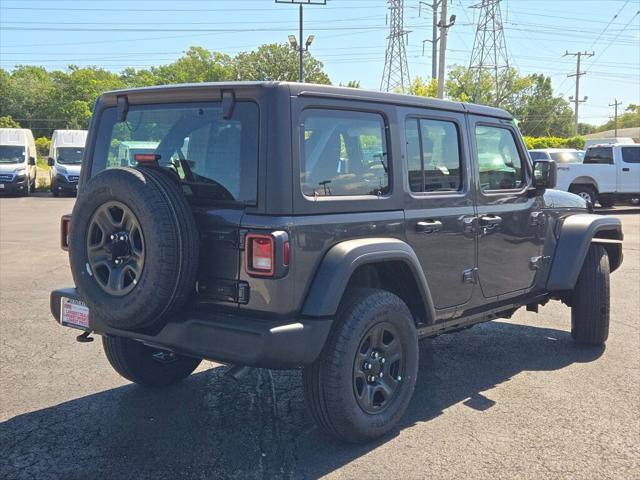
(216,159)
(599,155)
(433,155)
(631,154)
(343,153)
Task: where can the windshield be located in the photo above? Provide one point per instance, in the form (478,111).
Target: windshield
(566,157)
(70,155)
(11,154)
(215,158)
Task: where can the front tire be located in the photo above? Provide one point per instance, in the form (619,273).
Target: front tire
(360,386)
(145,365)
(590,307)
(586,192)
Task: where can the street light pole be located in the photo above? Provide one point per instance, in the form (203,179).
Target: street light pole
(300,72)
(297,44)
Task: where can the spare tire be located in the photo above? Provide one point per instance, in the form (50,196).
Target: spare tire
(133,247)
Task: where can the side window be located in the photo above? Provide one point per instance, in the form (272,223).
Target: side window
(631,154)
(501,167)
(538,155)
(599,155)
(343,153)
(433,155)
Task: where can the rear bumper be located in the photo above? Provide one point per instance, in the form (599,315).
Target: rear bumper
(226,338)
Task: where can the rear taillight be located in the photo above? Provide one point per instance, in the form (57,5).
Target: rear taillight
(260,256)
(65,228)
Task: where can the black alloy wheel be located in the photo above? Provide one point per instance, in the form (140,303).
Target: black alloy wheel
(378,368)
(115,248)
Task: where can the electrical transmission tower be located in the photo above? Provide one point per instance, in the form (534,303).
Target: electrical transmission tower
(396,70)
(489,53)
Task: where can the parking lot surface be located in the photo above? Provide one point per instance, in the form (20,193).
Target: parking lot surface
(509,399)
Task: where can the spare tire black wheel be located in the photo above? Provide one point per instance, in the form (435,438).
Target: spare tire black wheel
(133,247)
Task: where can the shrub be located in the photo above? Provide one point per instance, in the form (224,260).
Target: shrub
(554,142)
(42,146)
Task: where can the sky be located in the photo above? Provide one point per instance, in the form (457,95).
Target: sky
(350,37)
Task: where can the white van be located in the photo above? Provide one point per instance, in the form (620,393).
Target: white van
(17,161)
(65,160)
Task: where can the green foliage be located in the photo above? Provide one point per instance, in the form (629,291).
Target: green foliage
(44,101)
(276,61)
(8,122)
(630,118)
(554,142)
(423,88)
(42,146)
(529,98)
(351,84)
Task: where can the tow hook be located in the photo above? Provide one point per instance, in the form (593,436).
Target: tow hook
(84,337)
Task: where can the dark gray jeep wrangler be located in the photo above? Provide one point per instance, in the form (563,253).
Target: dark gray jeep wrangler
(286,225)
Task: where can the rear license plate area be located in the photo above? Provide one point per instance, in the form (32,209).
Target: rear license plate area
(74,313)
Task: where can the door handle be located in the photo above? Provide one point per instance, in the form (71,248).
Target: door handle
(625,169)
(490,221)
(428,226)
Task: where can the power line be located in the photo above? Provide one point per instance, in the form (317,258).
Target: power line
(578,74)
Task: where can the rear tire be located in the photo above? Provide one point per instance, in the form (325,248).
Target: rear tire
(145,365)
(590,302)
(332,382)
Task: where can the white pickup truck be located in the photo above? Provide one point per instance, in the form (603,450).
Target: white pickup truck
(608,174)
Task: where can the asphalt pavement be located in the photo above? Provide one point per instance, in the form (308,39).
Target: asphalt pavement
(512,399)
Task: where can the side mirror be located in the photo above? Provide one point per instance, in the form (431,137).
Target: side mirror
(32,161)
(51,162)
(545,174)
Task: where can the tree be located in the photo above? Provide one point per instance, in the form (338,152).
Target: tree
(275,61)
(351,84)
(8,122)
(197,65)
(540,113)
(630,118)
(423,88)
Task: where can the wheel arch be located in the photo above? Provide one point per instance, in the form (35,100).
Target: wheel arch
(575,236)
(386,263)
(584,180)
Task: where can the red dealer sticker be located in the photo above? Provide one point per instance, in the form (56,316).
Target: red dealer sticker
(74,313)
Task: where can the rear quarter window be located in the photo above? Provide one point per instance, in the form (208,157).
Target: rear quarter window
(343,153)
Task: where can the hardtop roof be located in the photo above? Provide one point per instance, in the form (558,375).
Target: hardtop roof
(327,91)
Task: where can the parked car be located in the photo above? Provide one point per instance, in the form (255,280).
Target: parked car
(127,150)
(558,155)
(65,160)
(18,155)
(609,173)
(322,228)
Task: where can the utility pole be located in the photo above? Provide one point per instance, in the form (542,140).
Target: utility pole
(576,99)
(396,69)
(298,47)
(615,105)
(444,28)
(434,35)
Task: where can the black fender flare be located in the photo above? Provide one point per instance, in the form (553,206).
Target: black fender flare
(344,258)
(576,234)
